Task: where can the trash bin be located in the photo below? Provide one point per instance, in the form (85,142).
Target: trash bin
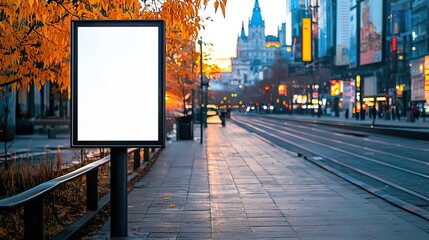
(52,133)
(410,116)
(185,128)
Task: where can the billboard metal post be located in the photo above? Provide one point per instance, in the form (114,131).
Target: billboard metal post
(105,54)
(119,195)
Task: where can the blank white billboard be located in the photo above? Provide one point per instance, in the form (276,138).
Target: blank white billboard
(118,83)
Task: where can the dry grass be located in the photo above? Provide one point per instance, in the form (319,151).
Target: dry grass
(61,207)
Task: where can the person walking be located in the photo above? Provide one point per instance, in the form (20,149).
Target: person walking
(374,115)
(398,113)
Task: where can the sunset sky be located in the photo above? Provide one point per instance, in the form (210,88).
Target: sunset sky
(223,32)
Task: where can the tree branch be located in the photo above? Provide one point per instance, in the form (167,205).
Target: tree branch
(60,4)
(10,82)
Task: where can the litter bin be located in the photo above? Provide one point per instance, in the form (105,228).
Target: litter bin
(185,128)
(52,133)
(410,116)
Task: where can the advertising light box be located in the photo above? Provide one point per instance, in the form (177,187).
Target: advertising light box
(118,83)
(343,34)
(371,31)
(306,40)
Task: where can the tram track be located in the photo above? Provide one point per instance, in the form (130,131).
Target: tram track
(392,176)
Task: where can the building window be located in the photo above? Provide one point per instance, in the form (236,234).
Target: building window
(420,49)
(419,32)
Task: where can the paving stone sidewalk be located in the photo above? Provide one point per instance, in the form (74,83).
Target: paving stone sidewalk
(237,186)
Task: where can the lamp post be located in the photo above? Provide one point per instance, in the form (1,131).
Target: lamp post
(201,86)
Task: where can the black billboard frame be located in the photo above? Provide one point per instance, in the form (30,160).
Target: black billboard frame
(113,143)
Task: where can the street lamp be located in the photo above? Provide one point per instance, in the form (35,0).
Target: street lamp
(201,85)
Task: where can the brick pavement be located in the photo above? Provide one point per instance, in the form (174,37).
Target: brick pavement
(237,186)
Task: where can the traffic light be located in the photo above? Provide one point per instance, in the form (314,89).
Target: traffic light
(266,88)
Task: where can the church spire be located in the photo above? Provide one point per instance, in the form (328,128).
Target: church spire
(256,16)
(243,34)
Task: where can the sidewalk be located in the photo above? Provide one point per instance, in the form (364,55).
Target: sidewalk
(237,186)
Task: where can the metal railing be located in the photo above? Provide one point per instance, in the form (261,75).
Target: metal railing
(32,199)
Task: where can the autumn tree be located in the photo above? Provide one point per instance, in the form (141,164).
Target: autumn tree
(35,35)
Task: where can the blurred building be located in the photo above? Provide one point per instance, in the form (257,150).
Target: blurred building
(378,49)
(296,10)
(255,51)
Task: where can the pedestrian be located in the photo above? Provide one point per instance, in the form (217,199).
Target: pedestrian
(424,112)
(398,113)
(374,114)
(392,111)
(415,111)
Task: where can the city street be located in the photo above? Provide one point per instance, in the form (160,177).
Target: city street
(393,168)
(237,185)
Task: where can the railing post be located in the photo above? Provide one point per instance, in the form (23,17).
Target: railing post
(136,158)
(92,190)
(146,154)
(33,219)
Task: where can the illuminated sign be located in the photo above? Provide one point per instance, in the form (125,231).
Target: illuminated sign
(315,95)
(399,90)
(394,44)
(426,73)
(266,88)
(336,87)
(427,83)
(358,81)
(118,83)
(282,90)
(306,40)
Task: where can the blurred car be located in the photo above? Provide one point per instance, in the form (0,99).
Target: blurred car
(212,110)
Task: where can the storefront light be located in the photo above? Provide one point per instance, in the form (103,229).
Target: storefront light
(357,80)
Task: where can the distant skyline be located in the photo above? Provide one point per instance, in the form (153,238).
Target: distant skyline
(223,32)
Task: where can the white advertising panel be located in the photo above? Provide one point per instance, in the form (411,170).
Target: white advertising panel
(370,86)
(118,83)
